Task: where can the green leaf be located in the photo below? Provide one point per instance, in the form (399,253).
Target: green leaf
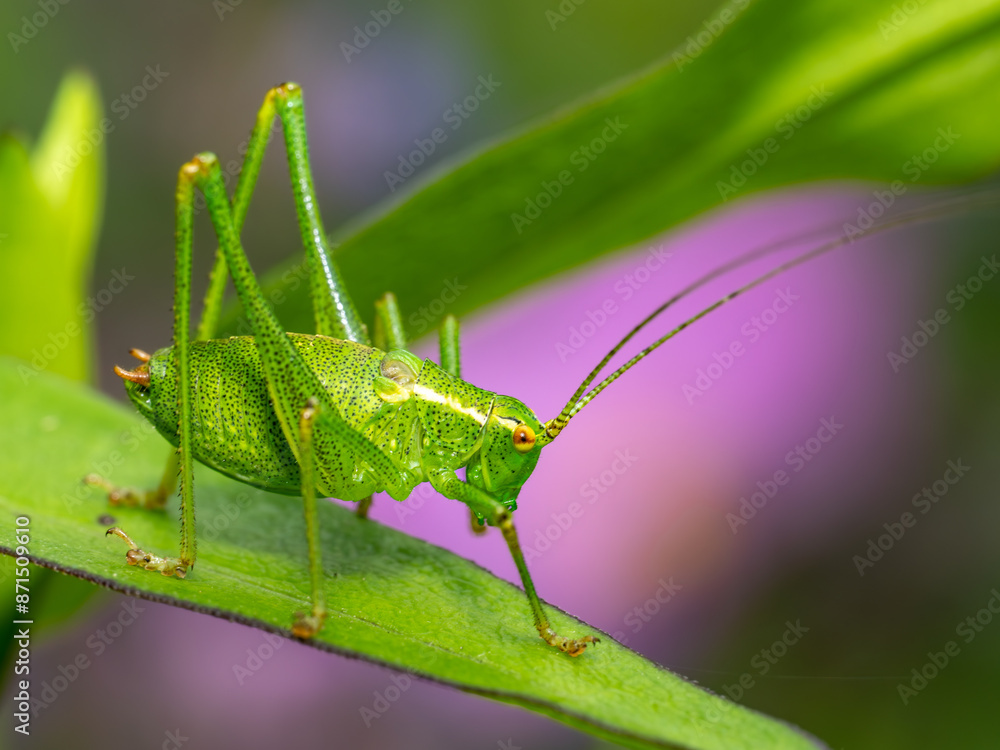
(50,209)
(843,89)
(393,599)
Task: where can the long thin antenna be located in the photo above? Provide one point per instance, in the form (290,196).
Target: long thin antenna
(945,208)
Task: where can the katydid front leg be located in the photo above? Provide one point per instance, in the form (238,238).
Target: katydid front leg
(485,505)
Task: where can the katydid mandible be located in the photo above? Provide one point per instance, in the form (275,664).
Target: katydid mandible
(336,414)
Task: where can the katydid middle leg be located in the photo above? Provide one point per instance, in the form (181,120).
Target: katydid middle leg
(449,342)
(389,334)
(389,331)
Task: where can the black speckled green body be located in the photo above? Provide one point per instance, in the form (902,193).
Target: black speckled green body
(422,418)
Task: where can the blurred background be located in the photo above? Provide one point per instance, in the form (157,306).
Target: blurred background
(771,607)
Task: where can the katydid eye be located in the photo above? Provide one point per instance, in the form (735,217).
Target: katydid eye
(524,438)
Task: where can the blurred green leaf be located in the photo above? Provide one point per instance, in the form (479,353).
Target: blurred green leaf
(767,96)
(393,599)
(50,208)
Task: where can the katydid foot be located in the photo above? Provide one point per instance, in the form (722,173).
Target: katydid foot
(168,566)
(476,523)
(306,626)
(571,646)
(129,497)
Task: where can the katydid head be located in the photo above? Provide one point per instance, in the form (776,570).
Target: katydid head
(509,450)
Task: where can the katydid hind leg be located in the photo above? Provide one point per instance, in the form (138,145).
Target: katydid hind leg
(333,308)
(245,183)
(182,333)
(294,388)
(307,625)
(156,499)
(485,505)
(450,346)
(291,382)
(335,312)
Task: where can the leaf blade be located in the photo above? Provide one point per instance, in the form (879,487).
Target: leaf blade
(884,99)
(393,599)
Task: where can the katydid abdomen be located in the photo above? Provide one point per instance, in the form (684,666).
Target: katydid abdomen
(421,417)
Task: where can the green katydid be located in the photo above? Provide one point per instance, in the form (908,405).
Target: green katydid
(330,413)
(326,413)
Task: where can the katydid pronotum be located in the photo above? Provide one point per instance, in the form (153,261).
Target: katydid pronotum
(336,413)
